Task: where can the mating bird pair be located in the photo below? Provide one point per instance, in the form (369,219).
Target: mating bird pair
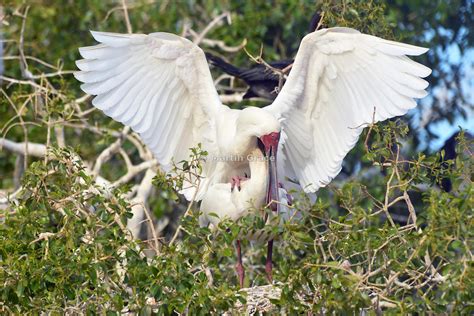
(160,85)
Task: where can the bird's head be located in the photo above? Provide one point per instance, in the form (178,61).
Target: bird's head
(258,123)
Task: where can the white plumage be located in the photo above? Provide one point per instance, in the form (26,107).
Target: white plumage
(161,86)
(339,78)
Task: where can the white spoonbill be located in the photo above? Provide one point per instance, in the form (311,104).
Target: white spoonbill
(160,85)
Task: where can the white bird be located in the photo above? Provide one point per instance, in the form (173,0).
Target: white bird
(160,85)
(235,203)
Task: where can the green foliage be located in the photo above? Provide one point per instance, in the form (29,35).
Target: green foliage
(183,174)
(64,246)
(366,16)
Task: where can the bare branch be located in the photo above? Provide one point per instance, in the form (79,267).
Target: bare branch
(34,149)
(127,18)
(216,21)
(231,98)
(24,64)
(107,153)
(134,171)
(218,43)
(139,204)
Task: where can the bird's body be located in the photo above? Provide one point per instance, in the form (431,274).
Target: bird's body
(243,127)
(341,80)
(234,203)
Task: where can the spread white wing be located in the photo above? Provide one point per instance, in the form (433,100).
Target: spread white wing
(338,78)
(159,85)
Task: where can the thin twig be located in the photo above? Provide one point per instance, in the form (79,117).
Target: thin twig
(127,18)
(210,26)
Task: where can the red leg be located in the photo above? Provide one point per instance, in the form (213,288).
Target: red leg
(269,264)
(239,267)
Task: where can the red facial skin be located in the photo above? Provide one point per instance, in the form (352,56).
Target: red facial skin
(270,141)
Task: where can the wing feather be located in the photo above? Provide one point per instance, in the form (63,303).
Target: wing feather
(159,85)
(338,78)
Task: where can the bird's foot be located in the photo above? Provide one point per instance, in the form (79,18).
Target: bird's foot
(236,181)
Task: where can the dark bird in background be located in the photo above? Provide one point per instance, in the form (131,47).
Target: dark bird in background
(450,153)
(263,81)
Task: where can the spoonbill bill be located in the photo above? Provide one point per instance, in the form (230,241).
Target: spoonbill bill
(160,85)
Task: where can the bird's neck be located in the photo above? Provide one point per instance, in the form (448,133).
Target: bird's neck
(243,144)
(258,170)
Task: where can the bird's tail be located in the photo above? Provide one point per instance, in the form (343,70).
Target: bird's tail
(225,66)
